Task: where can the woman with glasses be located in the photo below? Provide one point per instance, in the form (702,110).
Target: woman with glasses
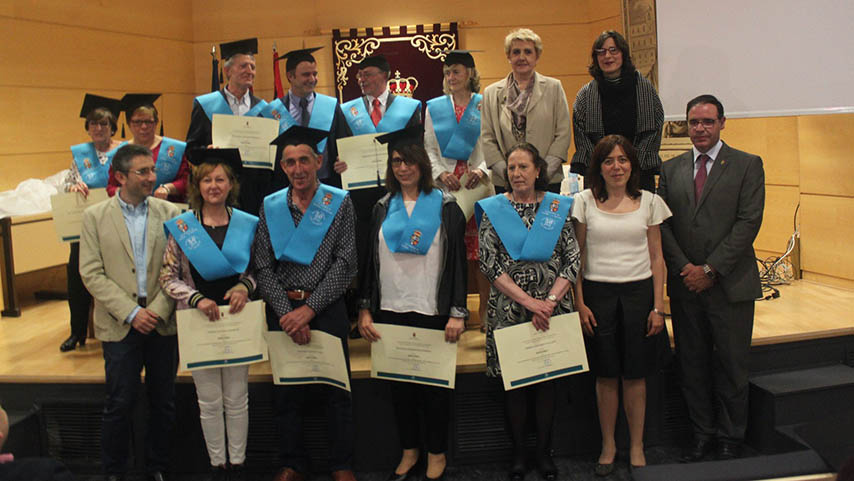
(90,167)
(618,100)
(169,159)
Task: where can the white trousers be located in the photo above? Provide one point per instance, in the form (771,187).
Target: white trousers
(224,390)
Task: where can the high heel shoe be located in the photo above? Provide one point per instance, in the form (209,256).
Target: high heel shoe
(70,344)
(410,475)
(517,469)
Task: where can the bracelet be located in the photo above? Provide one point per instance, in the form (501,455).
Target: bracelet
(658,312)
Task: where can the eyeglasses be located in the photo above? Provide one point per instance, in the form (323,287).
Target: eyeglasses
(143,122)
(144,172)
(100,123)
(602,51)
(397,161)
(706,123)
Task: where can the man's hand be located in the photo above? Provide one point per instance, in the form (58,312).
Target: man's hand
(144,321)
(339,166)
(296,319)
(695,279)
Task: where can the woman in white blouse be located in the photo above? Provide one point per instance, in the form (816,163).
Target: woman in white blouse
(619,293)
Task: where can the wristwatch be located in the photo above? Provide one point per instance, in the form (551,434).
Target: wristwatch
(552,298)
(707,270)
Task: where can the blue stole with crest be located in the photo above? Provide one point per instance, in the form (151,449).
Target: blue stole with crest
(215,103)
(456,139)
(396,116)
(536,244)
(91,171)
(211,262)
(312,228)
(322,114)
(256,110)
(168,160)
(413,234)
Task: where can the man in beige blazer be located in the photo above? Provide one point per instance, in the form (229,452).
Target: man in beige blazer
(121,252)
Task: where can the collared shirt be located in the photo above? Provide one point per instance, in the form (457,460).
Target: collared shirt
(712,153)
(327,277)
(383,102)
(294,108)
(239,106)
(136,219)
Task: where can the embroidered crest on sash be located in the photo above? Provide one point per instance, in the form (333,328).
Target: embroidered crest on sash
(181,225)
(416,238)
(276,114)
(87,163)
(171,151)
(554,205)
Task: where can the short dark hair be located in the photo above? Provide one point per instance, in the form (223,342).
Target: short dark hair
(542,182)
(594,180)
(100,114)
(628,67)
(705,99)
(126,154)
(422,160)
(147,108)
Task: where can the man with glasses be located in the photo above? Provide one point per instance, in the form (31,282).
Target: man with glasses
(717,195)
(121,252)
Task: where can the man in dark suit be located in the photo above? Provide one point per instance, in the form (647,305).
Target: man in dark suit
(717,195)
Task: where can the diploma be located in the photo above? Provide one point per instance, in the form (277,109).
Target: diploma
(68,210)
(366,161)
(467,197)
(529,356)
(233,340)
(412,354)
(252,135)
(321,361)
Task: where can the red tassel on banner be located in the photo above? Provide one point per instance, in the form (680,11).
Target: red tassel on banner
(277,77)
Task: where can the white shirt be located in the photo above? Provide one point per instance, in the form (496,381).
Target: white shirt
(383,102)
(712,153)
(616,247)
(239,106)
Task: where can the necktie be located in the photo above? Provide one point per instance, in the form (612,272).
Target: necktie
(700,178)
(303,108)
(376,114)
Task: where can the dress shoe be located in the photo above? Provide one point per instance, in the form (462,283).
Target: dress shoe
(546,467)
(218,473)
(288,474)
(70,344)
(727,450)
(604,469)
(697,450)
(343,475)
(156,476)
(518,468)
(236,472)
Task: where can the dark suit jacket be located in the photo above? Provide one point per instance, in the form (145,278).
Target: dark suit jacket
(718,231)
(199,133)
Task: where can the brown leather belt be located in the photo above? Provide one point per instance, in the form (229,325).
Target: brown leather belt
(298,294)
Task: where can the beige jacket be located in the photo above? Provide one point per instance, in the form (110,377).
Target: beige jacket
(548,126)
(107,267)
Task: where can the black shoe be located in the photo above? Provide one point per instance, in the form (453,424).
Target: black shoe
(728,450)
(156,476)
(115,477)
(518,468)
(70,344)
(236,472)
(697,450)
(604,469)
(410,475)
(218,473)
(546,467)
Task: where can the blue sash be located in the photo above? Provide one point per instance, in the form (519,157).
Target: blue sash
(211,262)
(168,160)
(256,110)
(321,115)
(456,139)
(396,116)
(413,234)
(537,244)
(94,174)
(214,103)
(312,228)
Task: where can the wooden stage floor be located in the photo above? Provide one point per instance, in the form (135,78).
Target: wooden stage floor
(29,345)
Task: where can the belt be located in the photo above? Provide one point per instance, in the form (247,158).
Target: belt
(298,294)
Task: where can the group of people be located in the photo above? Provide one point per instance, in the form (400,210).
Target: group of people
(604,253)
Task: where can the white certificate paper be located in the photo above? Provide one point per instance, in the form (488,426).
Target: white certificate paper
(321,361)
(252,135)
(233,340)
(412,354)
(467,197)
(67,209)
(366,161)
(529,356)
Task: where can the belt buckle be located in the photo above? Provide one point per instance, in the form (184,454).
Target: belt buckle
(301,293)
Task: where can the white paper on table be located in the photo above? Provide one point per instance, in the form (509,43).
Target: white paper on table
(67,209)
(252,135)
(321,361)
(412,354)
(233,340)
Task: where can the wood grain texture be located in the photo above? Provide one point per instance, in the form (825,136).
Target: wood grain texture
(826,233)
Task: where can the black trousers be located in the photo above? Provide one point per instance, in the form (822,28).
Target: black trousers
(290,402)
(713,345)
(79,299)
(123,363)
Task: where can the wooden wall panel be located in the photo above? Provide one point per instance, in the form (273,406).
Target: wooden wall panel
(775,139)
(17,168)
(778,217)
(826,233)
(826,155)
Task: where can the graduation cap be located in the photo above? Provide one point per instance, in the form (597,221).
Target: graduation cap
(462,57)
(412,135)
(299,135)
(247,46)
(296,56)
(377,61)
(229,157)
(131,102)
(92,102)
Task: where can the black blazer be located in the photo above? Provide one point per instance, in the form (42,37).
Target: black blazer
(199,133)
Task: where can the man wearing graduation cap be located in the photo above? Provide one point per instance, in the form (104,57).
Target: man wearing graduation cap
(170,163)
(303,106)
(305,257)
(235,99)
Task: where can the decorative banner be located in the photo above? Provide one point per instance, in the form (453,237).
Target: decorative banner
(415,54)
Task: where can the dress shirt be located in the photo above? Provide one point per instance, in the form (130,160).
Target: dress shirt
(135,221)
(712,153)
(383,98)
(293,105)
(239,106)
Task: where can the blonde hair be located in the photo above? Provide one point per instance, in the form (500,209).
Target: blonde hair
(474,79)
(523,35)
(194,194)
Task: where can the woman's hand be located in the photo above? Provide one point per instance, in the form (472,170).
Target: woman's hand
(366,326)
(475,176)
(654,323)
(588,322)
(454,329)
(451,181)
(161,192)
(541,310)
(80,187)
(209,308)
(237,297)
